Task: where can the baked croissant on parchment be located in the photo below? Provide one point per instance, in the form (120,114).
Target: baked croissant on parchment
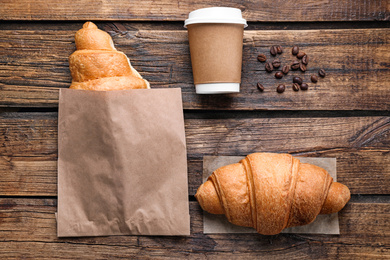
(271,192)
(97,65)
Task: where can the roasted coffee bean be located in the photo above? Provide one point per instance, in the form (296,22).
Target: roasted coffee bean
(269,67)
(304,86)
(295,87)
(295,65)
(286,69)
(302,67)
(273,50)
(261,57)
(278,75)
(297,80)
(279,49)
(295,50)
(260,87)
(300,54)
(281,88)
(305,59)
(276,63)
(322,73)
(314,78)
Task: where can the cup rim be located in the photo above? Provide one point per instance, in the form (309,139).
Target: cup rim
(228,15)
(217,88)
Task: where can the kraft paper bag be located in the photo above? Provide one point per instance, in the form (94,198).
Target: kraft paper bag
(323,224)
(122,164)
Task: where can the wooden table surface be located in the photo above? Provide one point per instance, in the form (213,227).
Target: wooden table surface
(345,115)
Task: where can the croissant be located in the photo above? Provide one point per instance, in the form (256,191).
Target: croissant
(97,65)
(271,192)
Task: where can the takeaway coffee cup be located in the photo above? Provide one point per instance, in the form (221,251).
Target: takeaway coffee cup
(215,36)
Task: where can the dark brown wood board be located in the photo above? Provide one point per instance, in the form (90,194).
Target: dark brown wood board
(356,61)
(28,230)
(360,144)
(346,115)
(166,10)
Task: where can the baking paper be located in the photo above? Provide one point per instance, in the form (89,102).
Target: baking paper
(324,224)
(122,166)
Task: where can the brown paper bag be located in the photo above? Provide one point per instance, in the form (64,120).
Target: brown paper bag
(122,166)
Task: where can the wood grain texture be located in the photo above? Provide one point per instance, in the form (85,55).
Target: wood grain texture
(28,229)
(28,145)
(34,64)
(266,10)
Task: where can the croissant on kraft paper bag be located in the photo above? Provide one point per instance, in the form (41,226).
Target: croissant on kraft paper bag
(97,65)
(271,192)
(122,161)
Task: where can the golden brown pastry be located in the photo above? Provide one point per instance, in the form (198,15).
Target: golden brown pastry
(271,192)
(97,65)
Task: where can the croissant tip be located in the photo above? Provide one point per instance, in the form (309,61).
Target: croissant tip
(89,25)
(338,196)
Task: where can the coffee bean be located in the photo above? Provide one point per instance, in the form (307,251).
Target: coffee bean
(295,87)
(260,87)
(286,69)
(305,59)
(304,86)
(297,80)
(276,63)
(278,75)
(281,88)
(295,50)
(269,67)
(273,50)
(314,78)
(279,49)
(302,67)
(322,73)
(300,54)
(295,65)
(261,57)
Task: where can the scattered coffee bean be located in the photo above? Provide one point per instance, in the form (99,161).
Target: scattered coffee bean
(295,50)
(301,64)
(314,78)
(297,80)
(300,54)
(261,57)
(304,86)
(278,75)
(276,63)
(281,88)
(269,67)
(295,87)
(295,65)
(286,69)
(322,73)
(305,59)
(260,87)
(302,67)
(279,49)
(273,50)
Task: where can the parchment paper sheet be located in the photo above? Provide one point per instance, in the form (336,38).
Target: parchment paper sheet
(324,224)
(122,164)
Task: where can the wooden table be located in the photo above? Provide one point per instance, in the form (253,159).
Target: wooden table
(345,115)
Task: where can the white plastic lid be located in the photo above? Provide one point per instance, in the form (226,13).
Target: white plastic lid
(216,15)
(217,88)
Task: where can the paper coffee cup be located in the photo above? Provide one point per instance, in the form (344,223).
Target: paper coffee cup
(215,36)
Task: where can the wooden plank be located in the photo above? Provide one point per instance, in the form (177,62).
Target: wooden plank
(28,229)
(360,144)
(34,64)
(266,10)
(363,171)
